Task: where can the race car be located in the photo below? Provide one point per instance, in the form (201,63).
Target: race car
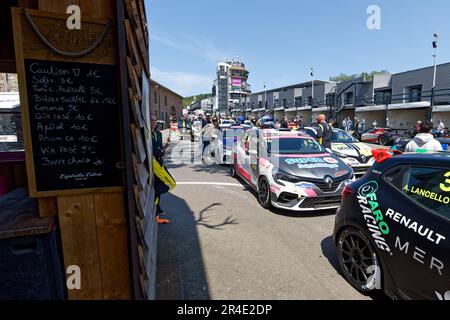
(230,137)
(392,230)
(290,170)
(355,154)
(226,123)
(373,135)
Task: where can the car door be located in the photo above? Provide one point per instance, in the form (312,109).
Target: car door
(370,135)
(415,203)
(243,158)
(253,156)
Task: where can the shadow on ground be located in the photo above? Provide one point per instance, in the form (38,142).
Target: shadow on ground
(329,252)
(180,267)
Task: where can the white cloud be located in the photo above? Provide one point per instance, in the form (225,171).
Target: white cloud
(185,84)
(196,46)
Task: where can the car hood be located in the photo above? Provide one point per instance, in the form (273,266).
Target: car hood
(312,167)
(352,149)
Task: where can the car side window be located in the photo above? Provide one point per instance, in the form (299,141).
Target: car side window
(429,187)
(395,176)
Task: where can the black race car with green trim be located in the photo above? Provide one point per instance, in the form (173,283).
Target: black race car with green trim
(392,230)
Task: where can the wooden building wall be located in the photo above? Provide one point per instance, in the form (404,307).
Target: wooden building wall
(112,235)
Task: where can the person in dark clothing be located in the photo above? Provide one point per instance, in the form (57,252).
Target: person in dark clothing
(284,123)
(300,123)
(158,153)
(324,131)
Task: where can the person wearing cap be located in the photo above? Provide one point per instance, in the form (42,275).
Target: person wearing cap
(324,131)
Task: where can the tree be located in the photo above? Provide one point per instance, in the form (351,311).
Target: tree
(366,75)
(187,101)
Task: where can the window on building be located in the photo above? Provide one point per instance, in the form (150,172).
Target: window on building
(165,100)
(330,99)
(276,103)
(155,97)
(348,98)
(414,94)
(383,97)
(310,101)
(298,102)
(259,104)
(284,103)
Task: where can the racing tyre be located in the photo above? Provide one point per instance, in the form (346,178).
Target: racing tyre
(264,193)
(233,172)
(383,140)
(358,260)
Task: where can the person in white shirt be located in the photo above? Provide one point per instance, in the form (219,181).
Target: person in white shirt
(424,140)
(440,128)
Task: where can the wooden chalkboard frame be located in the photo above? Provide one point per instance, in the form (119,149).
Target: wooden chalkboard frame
(22,53)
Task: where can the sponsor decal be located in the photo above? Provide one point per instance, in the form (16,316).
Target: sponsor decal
(427,194)
(341,147)
(330,160)
(341,173)
(368,201)
(420,256)
(304,185)
(419,229)
(446,185)
(312,163)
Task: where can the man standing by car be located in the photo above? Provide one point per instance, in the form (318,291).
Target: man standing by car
(324,131)
(440,129)
(424,140)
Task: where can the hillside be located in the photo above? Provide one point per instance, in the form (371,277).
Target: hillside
(188,100)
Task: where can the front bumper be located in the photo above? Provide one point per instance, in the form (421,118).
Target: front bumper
(359,169)
(305,198)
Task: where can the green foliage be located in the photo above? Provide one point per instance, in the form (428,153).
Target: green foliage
(367,75)
(187,101)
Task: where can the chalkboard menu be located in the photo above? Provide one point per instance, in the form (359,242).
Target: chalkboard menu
(74,124)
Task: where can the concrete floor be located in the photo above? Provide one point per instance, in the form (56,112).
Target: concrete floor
(222,245)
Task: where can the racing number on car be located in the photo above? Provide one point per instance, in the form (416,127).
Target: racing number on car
(446,185)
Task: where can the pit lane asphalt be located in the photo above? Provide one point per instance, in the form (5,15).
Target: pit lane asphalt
(222,245)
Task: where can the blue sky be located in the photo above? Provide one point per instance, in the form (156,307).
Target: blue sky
(281,40)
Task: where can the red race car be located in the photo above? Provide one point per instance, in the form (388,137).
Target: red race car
(373,135)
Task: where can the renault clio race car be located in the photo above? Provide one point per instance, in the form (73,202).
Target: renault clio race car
(392,230)
(290,170)
(355,154)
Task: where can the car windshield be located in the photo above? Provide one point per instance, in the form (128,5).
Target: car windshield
(296,145)
(342,137)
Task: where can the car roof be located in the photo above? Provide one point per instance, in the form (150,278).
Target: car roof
(273,133)
(423,159)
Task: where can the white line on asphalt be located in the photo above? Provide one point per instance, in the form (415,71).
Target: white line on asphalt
(211,184)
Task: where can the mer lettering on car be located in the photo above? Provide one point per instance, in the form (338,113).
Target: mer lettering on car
(414,226)
(367,196)
(420,256)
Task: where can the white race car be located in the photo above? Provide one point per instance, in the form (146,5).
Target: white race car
(290,170)
(355,154)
